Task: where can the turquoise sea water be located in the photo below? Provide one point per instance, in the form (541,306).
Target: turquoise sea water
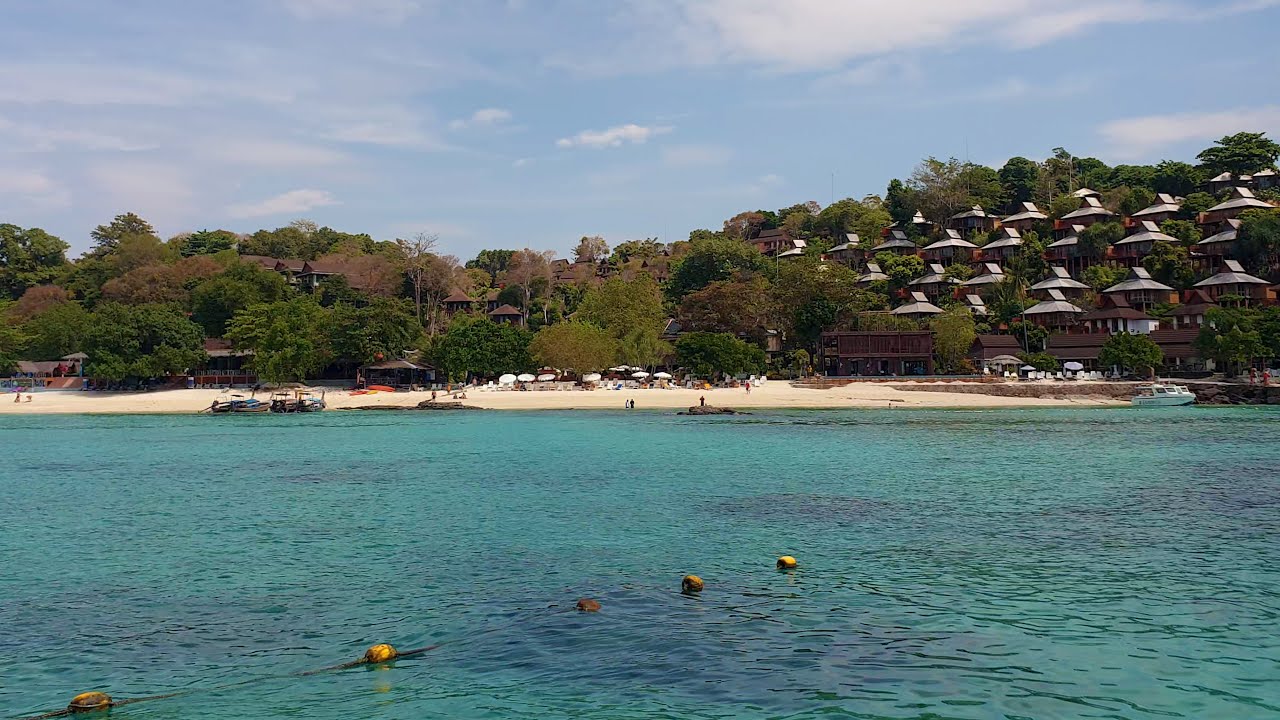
(1008,564)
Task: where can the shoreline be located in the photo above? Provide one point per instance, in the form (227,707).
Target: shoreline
(775,395)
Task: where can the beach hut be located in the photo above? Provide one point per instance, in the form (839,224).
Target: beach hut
(397,374)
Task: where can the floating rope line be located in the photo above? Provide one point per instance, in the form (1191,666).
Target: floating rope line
(379,654)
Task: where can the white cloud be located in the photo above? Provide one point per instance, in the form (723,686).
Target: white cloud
(683,156)
(392,11)
(390,125)
(31,191)
(99,84)
(483,117)
(1141,136)
(289,203)
(522,162)
(613,137)
(161,192)
(31,137)
(272,154)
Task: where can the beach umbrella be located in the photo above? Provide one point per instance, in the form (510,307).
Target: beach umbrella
(591,377)
(640,374)
(1073,365)
(1028,368)
(1004,360)
(662,376)
(620,368)
(545,377)
(507,379)
(525,377)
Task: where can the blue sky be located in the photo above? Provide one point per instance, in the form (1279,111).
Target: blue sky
(533,122)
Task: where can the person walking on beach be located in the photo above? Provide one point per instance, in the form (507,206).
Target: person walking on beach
(17,396)
(748,387)
(702,401)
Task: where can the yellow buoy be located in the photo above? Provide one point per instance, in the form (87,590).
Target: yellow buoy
(379,654)
(87,702)
(691,584)
(587,605)
(786,562)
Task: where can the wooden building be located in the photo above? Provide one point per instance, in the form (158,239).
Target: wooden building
(877,354)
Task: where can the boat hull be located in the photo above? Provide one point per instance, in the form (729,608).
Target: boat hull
(1169,401)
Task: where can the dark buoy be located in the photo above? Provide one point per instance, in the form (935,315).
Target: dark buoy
(691,584)
(88,702)
(379,654)
(587,605)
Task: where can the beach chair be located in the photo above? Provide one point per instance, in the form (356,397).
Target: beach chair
(1058,376)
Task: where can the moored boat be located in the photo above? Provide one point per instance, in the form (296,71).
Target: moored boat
(297,402)
(1157,395)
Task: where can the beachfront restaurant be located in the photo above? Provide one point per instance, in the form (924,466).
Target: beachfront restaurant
(876,354)
(399,374)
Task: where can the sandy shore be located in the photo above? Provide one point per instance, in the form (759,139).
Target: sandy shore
(775,394)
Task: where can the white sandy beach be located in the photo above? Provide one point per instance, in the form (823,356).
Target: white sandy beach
(776,394)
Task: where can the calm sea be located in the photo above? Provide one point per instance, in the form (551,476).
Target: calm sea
(997,564)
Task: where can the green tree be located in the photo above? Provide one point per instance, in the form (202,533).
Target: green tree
(901,202)
(13,341)
(953,335)
(215,301)
(621,306)
(58,331)
(945,187)
(591,248)
(1101,277)
(1258,240)
(1097,238)
(1030,336)
(812,297)
(290,339)
(865,217)
(494,262)
(1042,361)
(475,345)
(643,347)
(1244,153)
(1176,178)
(705,354)
(712,259)
(107,238)
(1187,232)
(1018,180)
(28,258)
(384,328)
(1170,264)
(742,308)
(209,242)
(141,341)
(1133,352)
(1196,203)
(901,269)
(578,346)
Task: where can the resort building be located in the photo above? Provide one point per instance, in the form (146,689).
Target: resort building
(1066,251)
(1116,315)
(919,308)
(897,243)
(873,274)
(1140,291)
(976,305)
(848,252)
(1266,179)
(951,248)
(1220,245)
(1190,313)
(776,241)
(1242,198)
(1027,215)
(1083,193)
(988,274)
(457,302)
(507,314)
(988,349)
(1129,251)
(879,354)
(1055,313)
(1090,212)
(1234,282)
(1059,279)
(934,284)
(1006,243)
(972,220)
(1166,207)
(1218,183)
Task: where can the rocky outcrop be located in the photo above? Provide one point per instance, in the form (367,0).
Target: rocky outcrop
(709,410)
(1206,393)
(436,405)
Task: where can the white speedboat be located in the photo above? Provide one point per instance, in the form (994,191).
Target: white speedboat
(1162,396)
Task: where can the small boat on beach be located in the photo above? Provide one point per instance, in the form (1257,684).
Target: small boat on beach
(237,403)
(297,402)
(1157,395)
